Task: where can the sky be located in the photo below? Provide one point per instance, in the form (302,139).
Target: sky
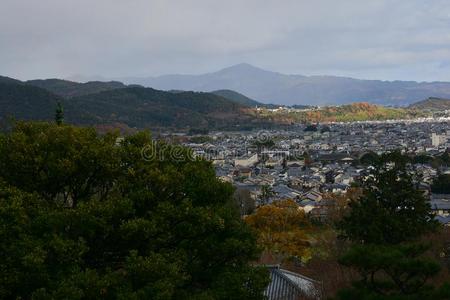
(376,39)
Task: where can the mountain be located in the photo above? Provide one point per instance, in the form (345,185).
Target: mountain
(432,104)
(236,97)
(69,89)
(273,87)
(25,102)
(146,107)
(8,80)
(120,106)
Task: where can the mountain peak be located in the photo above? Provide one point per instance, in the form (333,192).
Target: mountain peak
(242,68)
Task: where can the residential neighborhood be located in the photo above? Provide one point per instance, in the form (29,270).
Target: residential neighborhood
(308,165)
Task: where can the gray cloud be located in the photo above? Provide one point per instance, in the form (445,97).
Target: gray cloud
(386,39)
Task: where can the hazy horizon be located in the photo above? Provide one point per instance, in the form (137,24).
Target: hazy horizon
(382,39)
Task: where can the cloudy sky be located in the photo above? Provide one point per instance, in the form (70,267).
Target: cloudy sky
(379,39)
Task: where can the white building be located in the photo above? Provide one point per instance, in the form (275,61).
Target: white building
(438,139)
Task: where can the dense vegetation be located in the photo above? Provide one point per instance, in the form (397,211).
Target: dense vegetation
(385,226)
(84,216)
(146,107)
(25,102)
(121,107)
(114,105)
(67,89)
(433,104)
(237,97)
(441,184)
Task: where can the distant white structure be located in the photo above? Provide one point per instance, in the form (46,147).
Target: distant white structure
(438,139)
(246,161)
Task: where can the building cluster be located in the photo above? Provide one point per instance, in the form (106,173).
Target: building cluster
(308,164)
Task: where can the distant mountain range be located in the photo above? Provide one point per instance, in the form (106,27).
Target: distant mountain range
(272,87)
(113,104)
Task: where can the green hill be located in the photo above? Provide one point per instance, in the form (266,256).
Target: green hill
(24,102)
(149,108)
(237,97)
(68,89)
(139,107)
(4,79)
(432,104)
(120,107)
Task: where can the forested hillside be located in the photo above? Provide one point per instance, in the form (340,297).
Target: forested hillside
(432,104)
(69,89)
(25,102)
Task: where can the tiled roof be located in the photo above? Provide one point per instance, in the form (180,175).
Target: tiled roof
(287,285)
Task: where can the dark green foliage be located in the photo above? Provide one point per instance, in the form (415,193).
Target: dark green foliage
(432,103)
(325,129)
(120,107)
(441,184)
(68,89)
(59,114)
(391,208)
(385,226)
(263,143)
(146,107)
(311,127)
(369,158)
(24,102)
(237,98)
(84,216)
(422,158)
(8,80)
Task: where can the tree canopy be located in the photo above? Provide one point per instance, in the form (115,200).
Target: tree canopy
(88,216)
(385,226)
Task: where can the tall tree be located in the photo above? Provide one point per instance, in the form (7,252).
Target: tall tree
(385,226)
(59,114)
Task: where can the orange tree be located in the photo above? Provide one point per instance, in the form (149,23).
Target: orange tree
(283,230)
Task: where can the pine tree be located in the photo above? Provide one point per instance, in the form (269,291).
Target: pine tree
(385,226)
(59,114)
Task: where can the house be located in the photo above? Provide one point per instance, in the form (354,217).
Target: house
(283,192)
(440,204)
(287,285)
(443,220)
(246,161)
(312,195)
(307,205)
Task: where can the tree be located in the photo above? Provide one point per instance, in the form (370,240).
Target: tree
(283,230)
(310,127)
(325,128)
(369,158)
(266,193)
(385,226)
(441,184)
(84,216)
(59,114)
(244,201)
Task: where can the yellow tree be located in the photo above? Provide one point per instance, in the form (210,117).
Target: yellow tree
(283,230)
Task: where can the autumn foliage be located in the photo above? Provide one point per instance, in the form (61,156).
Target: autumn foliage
(283,230)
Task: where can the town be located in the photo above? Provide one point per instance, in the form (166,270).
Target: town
(309,162)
